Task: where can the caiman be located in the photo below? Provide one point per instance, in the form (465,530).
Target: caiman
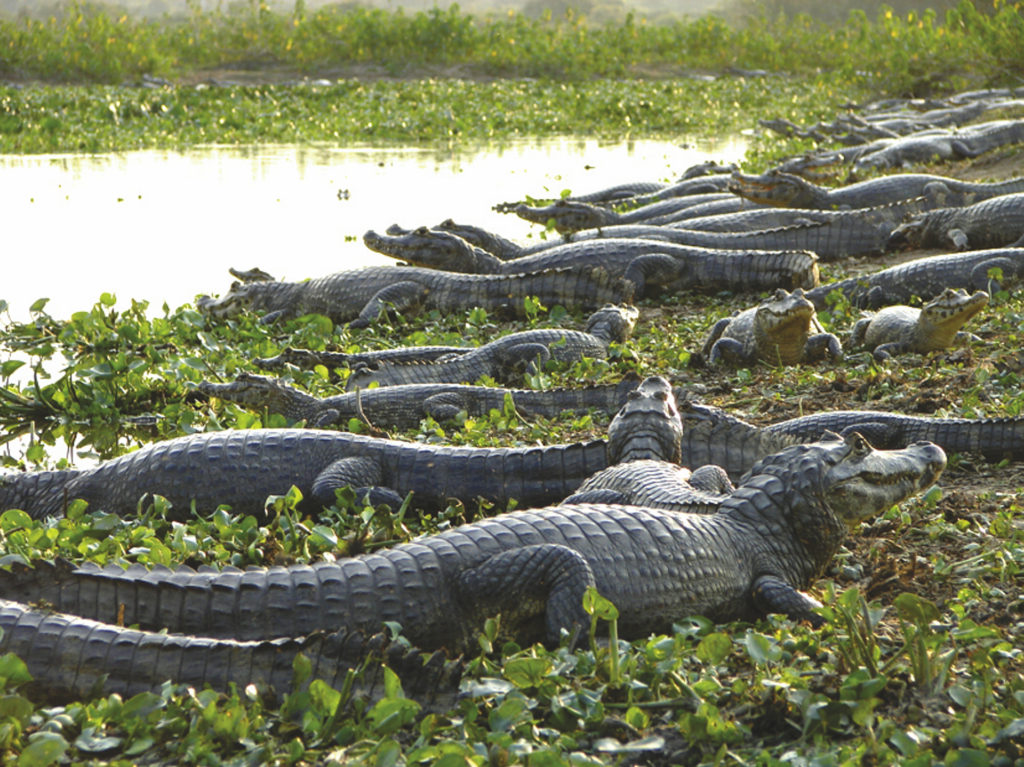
(509,356)
(406,405)
(646,470)
(71,657)
(988,224)
(926,146)
(781,330)
(790,191)
(242,468)
(652,266)
(771,538)
(925,278)
(712,436)
(936,325)
(358,296)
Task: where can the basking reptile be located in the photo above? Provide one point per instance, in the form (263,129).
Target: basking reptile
(781,330)
(646,470)
(987,224)
(358,296)
(405,405)
(791,191)
(570,216)
(712,436)
(925,146)
(241,468)
(773,536)
(509,356)
(925,278)
(936,325)
(652,266)
(71,657)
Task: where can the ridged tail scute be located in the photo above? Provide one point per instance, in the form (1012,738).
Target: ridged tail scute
(70,657)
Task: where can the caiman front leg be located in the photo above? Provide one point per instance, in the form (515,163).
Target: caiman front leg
(981,274)
(771,594)
(652,273)
(823,346)
(362,474)
(543,581)
(403,296)
(523,358)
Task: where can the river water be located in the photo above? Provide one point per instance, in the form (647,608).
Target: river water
(165,226)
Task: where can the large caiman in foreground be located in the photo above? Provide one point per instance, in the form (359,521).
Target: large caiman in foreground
(771,538)
(242,468)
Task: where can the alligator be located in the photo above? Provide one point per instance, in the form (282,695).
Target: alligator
(791,191)
(509,356)
(406,405)
(568,216)
(925,146)
(242,468)
(697,179)
(925,278)
(781,330)
(936,325)
(651,265)
(712,436)
(70,657)
(773,536)
(987,224)
(307,358)
(645,468)
(358,296)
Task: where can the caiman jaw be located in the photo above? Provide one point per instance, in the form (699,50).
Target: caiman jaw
(231,304)
(866,482)
(648,426)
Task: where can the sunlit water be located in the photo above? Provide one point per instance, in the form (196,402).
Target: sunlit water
(165,226)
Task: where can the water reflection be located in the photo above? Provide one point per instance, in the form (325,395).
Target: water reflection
(164,226)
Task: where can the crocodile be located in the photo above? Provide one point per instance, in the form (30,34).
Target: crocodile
(925,146)
(645,468)
(936,325)
(773,536)
(924,278)
(70,657)
(712,436)
(242,468)
(509,356)
(358,296)
(651,265)
(781,330)
(307,358)
(791,191)
(987,224)
(568,216)
(406,405)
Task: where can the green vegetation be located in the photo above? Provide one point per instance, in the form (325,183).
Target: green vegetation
(91,44)
(920,662)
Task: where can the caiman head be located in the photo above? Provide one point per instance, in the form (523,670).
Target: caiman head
(568,215)
(239,297)
(943,316)
(433,249)
(648,426)
(849,478)
(613,322)
(782,324)
(783,190)
(251,390)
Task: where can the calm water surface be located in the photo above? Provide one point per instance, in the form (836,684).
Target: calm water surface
(165,226)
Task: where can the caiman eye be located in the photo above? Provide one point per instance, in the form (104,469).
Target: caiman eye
(857,443)
(661,394)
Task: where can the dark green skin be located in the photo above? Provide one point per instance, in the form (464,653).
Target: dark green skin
(775,535)
(71,657)
(926,278)
(712,436)
(791,191)
(358,296)
(404,406)
(652,266)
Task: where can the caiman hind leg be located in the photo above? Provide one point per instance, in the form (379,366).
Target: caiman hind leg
(362,474)
(771,594)
(402,296)
(542,583)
